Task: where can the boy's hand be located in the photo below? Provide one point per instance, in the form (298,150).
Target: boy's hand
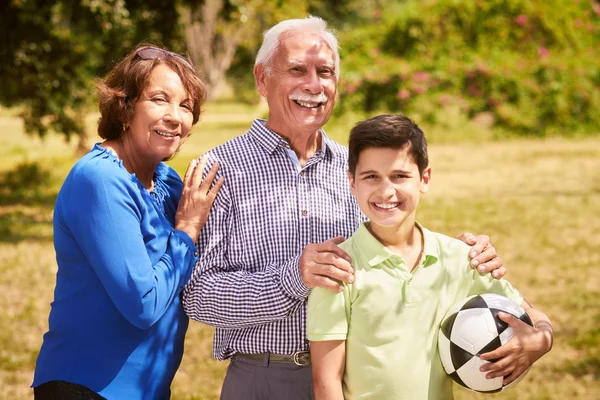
(526,346)
(325,265)
(483,254)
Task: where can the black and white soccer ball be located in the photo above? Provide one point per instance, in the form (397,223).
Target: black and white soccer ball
(471,328)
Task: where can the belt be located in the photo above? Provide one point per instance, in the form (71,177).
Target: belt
(301,358)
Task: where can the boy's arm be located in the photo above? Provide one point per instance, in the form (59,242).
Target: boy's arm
(328,359)
(527,345)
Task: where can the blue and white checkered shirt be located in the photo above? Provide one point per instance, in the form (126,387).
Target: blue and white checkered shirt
(246,282)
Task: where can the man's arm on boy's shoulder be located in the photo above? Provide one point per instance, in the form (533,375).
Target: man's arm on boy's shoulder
(528,344)
(328,360)
(483,254)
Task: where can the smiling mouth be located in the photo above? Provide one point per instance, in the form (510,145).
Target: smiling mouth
(305,104)
(386,206)
(166,134)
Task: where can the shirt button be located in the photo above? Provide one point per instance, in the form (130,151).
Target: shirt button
(196,253)
(304,212)
(301,173)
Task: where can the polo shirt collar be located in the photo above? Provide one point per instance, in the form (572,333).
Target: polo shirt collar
(270,140)
(375,253)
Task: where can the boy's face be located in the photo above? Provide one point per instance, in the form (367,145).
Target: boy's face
(388,186)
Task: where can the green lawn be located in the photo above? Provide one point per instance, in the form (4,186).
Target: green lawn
(538,200)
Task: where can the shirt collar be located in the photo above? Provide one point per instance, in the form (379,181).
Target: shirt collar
(270,140)
(375,253)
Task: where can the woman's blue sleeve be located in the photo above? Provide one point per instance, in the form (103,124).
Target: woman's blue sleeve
(104,214)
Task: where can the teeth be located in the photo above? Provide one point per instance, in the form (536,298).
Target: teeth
(386,205)
(307,105)
(166,134)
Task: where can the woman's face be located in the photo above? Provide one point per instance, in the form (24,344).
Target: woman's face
(162,116)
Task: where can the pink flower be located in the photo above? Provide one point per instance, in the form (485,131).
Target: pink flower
(521,19)
(421,76)
(403,94)
(420,89)
(543,52)
(444,99)
(596,8)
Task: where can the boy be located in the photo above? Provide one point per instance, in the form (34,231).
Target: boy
(377,339)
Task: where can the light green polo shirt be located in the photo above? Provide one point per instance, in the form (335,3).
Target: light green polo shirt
(389,317)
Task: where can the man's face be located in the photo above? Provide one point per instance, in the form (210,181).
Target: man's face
(302,85)
(387,186)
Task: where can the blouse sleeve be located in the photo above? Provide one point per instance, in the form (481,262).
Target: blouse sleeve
(104,214)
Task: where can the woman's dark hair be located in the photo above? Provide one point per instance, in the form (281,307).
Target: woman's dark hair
(120,90)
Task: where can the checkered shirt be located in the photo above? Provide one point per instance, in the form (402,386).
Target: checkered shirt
(246,282)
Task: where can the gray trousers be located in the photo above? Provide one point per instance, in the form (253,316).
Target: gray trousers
(248,379)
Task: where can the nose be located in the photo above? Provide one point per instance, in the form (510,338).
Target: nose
(313,82)
(173,114)
(387,188)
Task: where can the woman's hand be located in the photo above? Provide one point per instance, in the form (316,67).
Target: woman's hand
(197,197)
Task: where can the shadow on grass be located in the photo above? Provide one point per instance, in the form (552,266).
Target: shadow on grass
(27,198)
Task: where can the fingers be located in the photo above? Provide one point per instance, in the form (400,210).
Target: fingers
(482,243)
(326,265)
(210,177)
(190,170)
(327,283)
(468,238)
(212,193)
(197,174)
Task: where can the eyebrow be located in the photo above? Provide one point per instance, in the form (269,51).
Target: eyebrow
(299,63)
(372,171)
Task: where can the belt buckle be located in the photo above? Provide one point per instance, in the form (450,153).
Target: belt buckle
(297,360)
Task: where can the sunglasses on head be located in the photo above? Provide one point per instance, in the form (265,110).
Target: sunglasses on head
(155,53)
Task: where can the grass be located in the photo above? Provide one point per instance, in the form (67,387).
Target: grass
(538,200)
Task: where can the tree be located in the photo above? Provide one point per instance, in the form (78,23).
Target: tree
(214,30)
(51,51)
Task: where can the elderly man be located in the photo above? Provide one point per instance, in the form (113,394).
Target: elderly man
(274,228)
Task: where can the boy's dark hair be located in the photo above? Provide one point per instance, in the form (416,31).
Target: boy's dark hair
(388,131)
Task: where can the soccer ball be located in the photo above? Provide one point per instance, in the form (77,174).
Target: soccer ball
(471,328)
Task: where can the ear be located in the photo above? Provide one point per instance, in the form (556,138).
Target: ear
(425,179)
(260,79)
(351,182)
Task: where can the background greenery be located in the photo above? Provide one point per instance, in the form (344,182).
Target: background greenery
(506,90)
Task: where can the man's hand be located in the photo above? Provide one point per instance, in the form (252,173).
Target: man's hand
(326,265)
(483,254)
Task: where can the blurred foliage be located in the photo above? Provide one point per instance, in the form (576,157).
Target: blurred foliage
(525,66)
(50,52)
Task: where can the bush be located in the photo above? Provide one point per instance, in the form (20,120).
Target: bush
(528,66)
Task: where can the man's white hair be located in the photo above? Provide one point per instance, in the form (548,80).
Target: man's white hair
(272,39)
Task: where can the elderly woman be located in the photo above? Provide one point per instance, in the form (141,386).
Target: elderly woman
(124,232)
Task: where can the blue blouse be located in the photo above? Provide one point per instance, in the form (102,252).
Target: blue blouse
(116,324)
